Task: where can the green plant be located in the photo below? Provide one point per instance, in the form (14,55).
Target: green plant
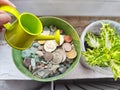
(105,50)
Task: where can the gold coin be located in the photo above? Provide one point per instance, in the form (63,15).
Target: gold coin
(71,54)
(41,41)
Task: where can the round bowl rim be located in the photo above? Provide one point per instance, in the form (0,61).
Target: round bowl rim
(68,70)
(95,68)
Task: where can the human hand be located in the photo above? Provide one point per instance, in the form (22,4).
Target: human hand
(4,17)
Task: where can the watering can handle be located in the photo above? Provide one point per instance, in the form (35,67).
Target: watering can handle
(12,11)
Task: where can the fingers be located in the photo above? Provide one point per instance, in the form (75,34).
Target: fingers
(4,18)
(7,2)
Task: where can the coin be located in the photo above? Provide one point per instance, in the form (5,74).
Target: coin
(41,42)
(67,38)
(50,45)
(67,46)
(57,58)
(39,53)
(71,54)
(62,53)
(41,48)
(61,39)
(48,56)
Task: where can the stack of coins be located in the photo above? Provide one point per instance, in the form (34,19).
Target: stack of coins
(46,59)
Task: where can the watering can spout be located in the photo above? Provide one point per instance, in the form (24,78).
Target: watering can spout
(56,37)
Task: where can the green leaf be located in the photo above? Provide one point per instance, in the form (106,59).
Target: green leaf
(115,66)
(107,35)
(97,57)
(92,40)
(115,52)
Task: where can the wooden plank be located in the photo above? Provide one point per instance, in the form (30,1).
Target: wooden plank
(102,86)
(112,0)
(88,87)
(60,87)
(69,7)
(66,1)
(74,87)
(45,87)
(19,85)
(114,85)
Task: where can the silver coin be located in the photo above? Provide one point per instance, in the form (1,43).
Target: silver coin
(61,39)
(50,45)
(67,46)
(62,53)
(48,56)
(57,58)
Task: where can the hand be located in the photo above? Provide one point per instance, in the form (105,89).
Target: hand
(4,17)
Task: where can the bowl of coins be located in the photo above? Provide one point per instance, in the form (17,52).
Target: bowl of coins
(46,60)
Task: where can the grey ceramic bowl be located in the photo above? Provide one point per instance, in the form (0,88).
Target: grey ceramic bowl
(95,28)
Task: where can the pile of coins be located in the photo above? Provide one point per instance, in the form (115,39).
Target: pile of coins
(46,59)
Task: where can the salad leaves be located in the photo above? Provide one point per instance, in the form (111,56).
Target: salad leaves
(105,50)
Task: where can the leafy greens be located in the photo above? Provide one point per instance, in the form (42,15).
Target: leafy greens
(105,50)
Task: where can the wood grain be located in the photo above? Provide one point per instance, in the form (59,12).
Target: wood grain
(70,7)
(80,22)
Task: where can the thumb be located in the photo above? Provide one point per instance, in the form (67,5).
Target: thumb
(4,18)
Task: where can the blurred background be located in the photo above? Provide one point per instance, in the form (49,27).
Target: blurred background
(70,7)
